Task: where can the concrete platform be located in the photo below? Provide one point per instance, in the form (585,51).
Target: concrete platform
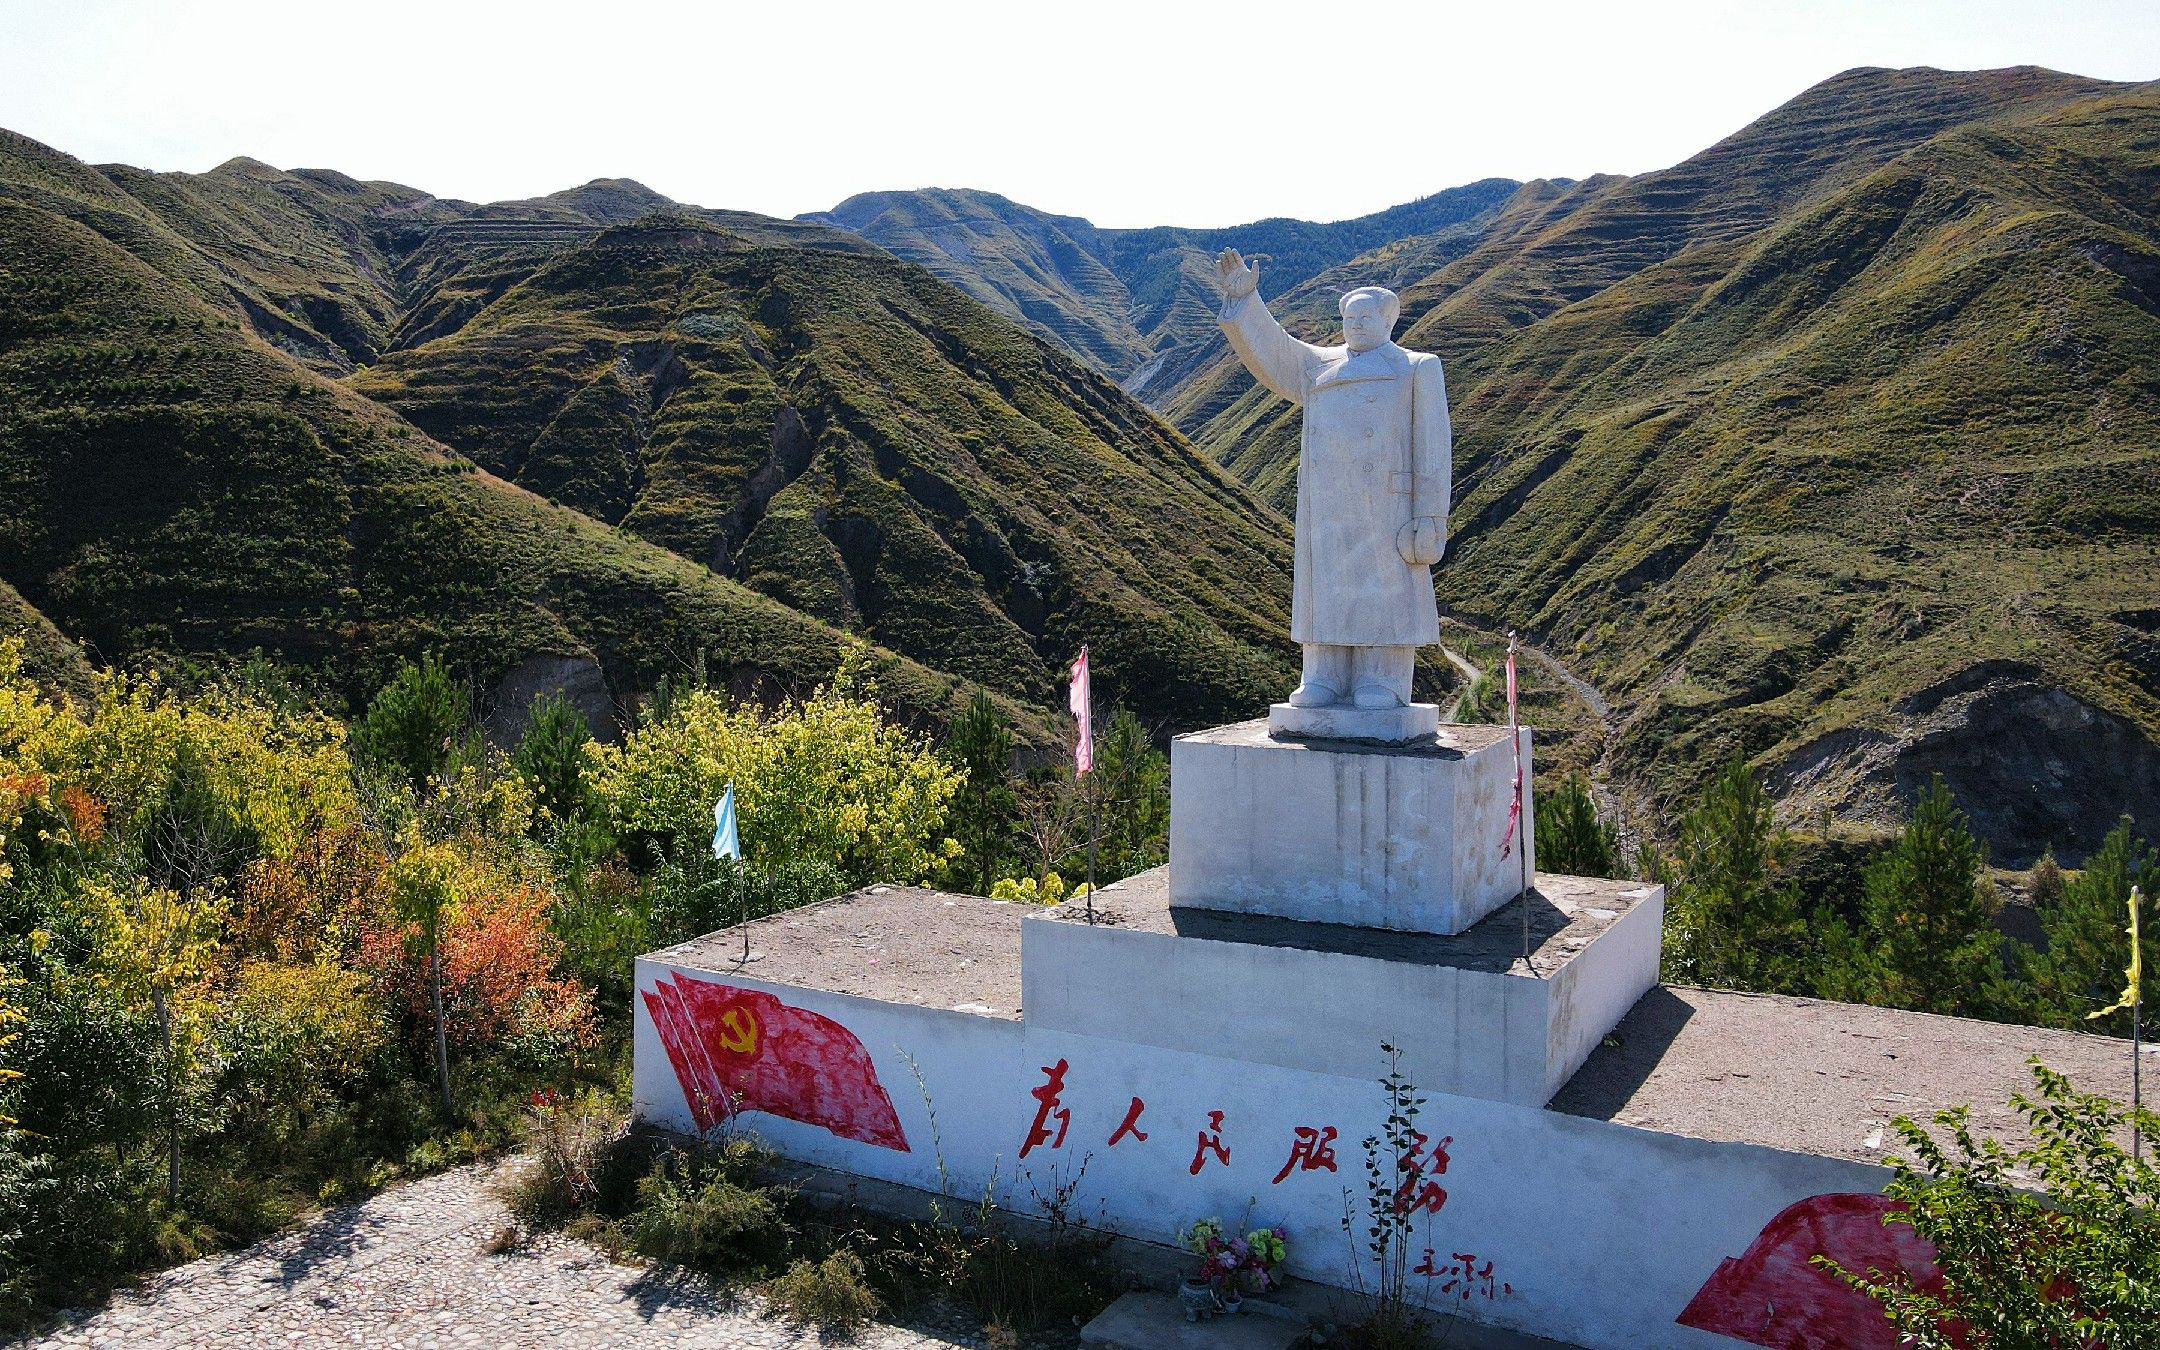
(1470,1015)
(1799,1074)
(1822,1078)
(897,944)
(1402,837)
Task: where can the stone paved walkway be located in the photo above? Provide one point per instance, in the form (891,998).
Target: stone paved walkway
(410,1269)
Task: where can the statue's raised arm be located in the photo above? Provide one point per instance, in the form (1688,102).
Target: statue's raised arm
(1275,358)
(1373,468)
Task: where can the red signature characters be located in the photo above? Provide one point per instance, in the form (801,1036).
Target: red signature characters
(1771,1295)
(743,1049)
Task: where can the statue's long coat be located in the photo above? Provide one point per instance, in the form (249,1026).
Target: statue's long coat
(1376,452)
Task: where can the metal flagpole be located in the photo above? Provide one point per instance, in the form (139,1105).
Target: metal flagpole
(1522,896)
(1081,701)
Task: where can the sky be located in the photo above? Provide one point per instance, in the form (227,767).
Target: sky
(1126,113)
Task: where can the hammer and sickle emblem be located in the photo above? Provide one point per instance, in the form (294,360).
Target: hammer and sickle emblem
(740,1033)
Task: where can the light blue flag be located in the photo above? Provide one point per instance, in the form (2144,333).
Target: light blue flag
(724,843)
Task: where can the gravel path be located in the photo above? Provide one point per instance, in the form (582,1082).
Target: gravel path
(410,1269)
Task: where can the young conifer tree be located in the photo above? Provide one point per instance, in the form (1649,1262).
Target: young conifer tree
(980,745)
(1930,914)
(1734,917)
(2088,942)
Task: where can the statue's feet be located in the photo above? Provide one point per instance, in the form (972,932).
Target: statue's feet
(1375,696)
(1313,694)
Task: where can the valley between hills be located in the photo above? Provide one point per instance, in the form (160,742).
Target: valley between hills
(1835,446)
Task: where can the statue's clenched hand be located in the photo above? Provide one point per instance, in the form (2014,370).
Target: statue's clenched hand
(1237,277)
(1422,541)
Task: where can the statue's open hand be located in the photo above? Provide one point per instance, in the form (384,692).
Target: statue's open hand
(1422,541)
(1237,277)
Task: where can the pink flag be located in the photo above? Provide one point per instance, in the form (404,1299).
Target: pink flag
(1514,811)
(1082,704)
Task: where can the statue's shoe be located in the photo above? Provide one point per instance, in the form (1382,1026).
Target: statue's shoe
(1374,696)
(1313,695)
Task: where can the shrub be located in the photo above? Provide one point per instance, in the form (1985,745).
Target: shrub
(2076,1266)
(704,1211)
(288,1038)
(828,781)
(833,1295)
(577,1153)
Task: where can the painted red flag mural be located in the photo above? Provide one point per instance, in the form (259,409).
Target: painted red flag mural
(744,1050)
(1772,1295)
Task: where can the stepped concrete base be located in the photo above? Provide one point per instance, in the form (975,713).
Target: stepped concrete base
(1471,1016)
(1385,726)
(1403,837)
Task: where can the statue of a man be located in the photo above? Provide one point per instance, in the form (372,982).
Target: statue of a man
(1372,502)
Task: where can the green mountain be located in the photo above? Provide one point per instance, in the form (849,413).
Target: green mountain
(1138,304)
(173,485)
(769,401)
(1837,446)
(856,439)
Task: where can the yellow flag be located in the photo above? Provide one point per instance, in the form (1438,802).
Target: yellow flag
(2136,973)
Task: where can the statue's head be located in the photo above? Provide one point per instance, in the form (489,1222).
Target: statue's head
(1368,317)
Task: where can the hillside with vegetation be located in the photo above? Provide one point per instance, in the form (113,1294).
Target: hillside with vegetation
(176,487)
(1837,446)
(854,438)
(840,431)
(1138,304)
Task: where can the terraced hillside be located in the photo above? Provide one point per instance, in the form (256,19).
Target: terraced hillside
(771,400)
(856,439)
(169,483)
(1138,304)
(1848,461)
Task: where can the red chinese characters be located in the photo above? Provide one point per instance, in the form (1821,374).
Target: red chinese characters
(1311,1150)
(1130,1126)
(1048,1106)
(1417,1190)
(1209,1141)
(1462,1276)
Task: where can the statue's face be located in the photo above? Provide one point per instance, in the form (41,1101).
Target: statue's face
(1364,323)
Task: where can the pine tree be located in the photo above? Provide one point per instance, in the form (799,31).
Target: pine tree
(1929,915)
(1132,783)
(980,745)
(2088,946)
(551,756)
(412,726)
(1734,919)
(1570,837)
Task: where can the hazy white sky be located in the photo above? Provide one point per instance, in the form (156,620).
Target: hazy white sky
(1129,113)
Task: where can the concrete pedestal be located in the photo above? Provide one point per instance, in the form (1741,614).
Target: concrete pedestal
(1386,726)
(1403,837)
(1472,1017)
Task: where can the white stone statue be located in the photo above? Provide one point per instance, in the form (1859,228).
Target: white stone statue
(1372,507)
